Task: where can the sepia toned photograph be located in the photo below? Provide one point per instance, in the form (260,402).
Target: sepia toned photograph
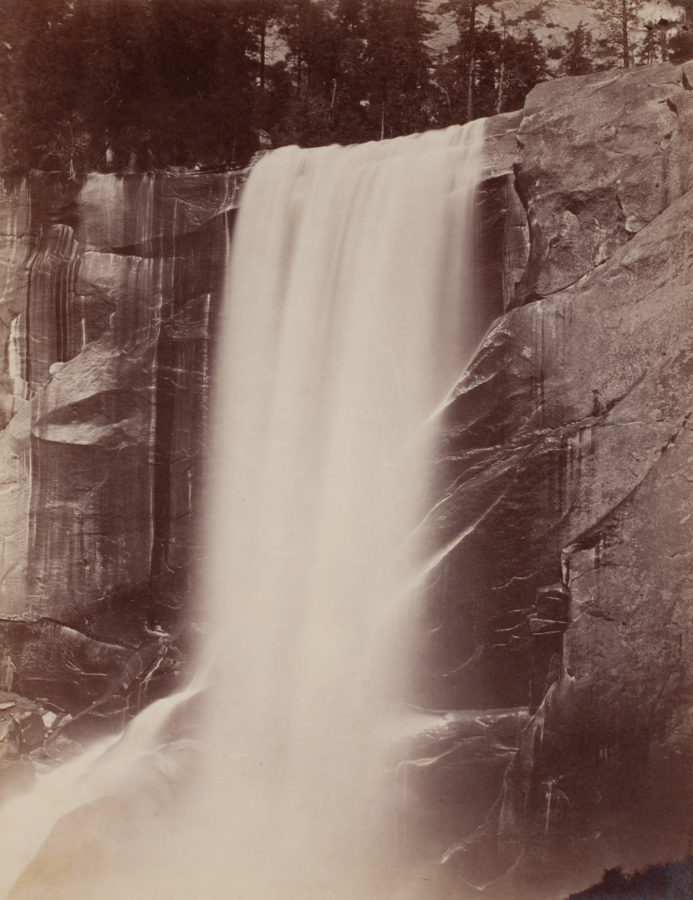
(346,451)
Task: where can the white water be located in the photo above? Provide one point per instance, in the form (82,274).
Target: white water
(349,294)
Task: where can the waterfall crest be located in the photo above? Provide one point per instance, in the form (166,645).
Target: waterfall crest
(346,322)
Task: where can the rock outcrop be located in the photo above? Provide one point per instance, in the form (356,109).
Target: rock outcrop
(559,605)
(564,578)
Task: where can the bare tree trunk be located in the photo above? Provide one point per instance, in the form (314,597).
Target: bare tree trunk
(472,59)
(501,75)
(501,87)
(470,89)
(624,34)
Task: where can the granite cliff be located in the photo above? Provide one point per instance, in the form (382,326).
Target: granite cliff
(109,291)
(565,486)
(559,608)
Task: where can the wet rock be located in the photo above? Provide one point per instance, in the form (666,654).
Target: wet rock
(563,583)
(60,663)
(22,730)
(86,683)
(59,749)
(502,244)
(447,770)
(501,150)
(108,291)
(525,465)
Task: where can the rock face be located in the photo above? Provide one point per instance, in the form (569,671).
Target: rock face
(564,583)
(109,289)
(559,606)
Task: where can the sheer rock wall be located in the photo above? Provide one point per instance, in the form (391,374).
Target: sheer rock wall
(108,292)
(565,472)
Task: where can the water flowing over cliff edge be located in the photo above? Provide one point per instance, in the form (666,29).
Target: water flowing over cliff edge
(558,610)
(342,333)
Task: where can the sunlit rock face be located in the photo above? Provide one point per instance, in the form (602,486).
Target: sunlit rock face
(564,581)
(109,291)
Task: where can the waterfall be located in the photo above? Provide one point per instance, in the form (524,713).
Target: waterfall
(350,293)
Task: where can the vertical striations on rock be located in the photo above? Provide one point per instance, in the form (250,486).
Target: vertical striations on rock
(109,288)
(564,583)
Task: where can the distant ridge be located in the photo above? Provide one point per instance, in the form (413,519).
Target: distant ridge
(549,20)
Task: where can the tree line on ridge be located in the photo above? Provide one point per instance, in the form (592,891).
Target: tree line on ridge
(140,84)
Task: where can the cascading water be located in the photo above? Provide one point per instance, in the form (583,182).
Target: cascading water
(350,289)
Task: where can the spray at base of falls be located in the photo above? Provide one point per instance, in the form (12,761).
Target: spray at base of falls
(346,322)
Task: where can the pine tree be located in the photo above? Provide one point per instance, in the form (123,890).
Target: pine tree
(620,19)
(310,32)
(259,17)
(526,68)
(125,83)
(464,52)
(36,83)
(576,59)
(655,43)
(491,71)
(397,62)
(347,85)
(502,79)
